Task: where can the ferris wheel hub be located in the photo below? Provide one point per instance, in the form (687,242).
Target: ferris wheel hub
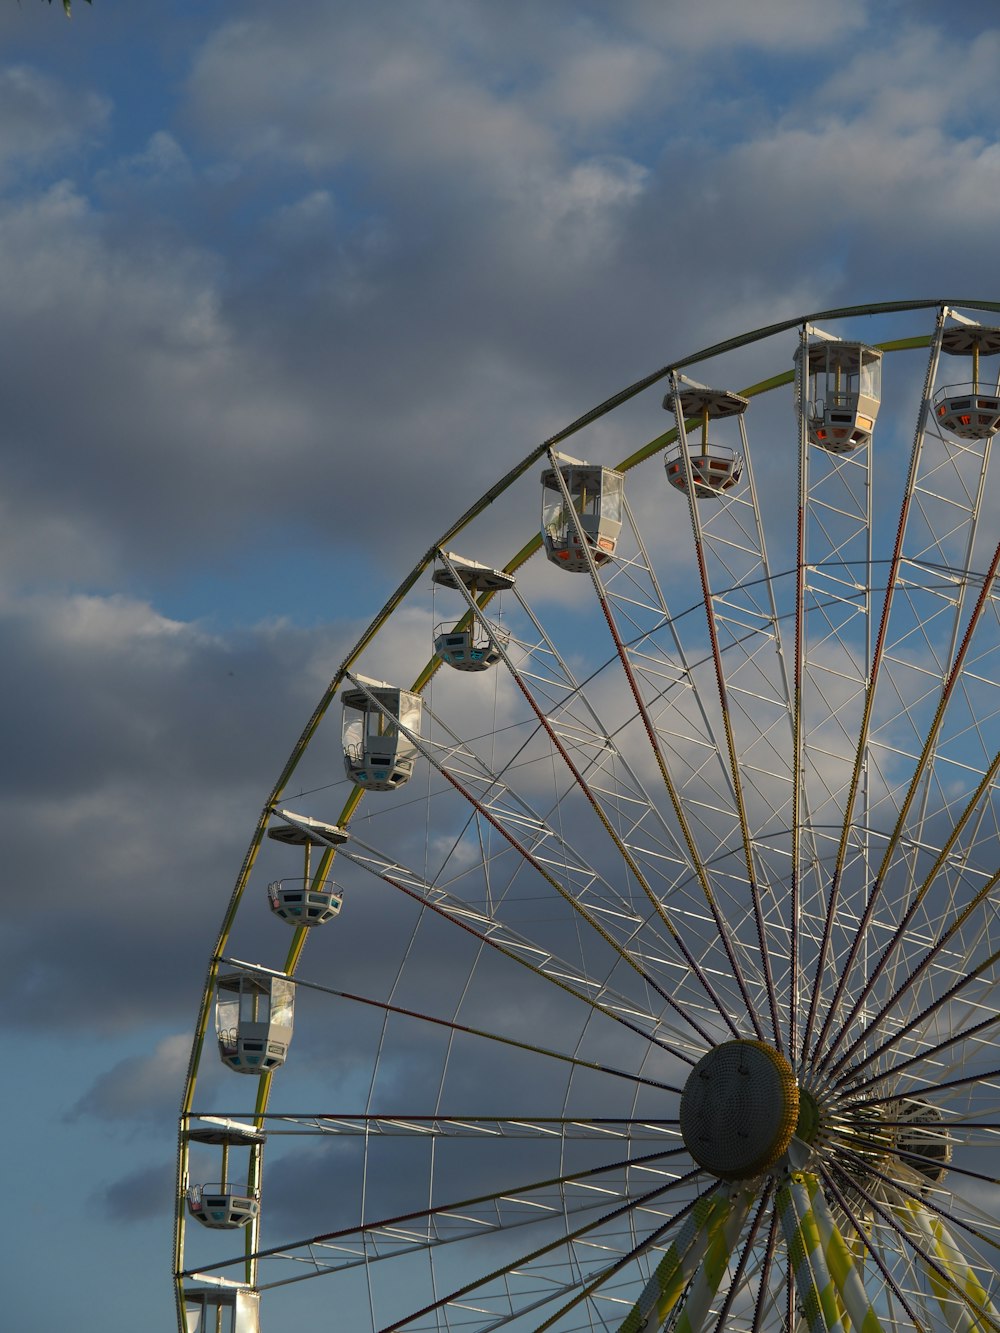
(739,1109)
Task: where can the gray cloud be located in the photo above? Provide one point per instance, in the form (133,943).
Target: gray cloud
(139,1087)
(139,1196)
(42,120)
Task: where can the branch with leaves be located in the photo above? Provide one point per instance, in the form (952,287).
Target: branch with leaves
(67,7)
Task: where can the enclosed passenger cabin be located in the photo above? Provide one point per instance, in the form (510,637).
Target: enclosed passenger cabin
(224,1205)
(587,516)
(305,902)
(471,645)
(922,1139)
(222,1310)
(714,467)
(843,391)
(377,755)
(253,1021)
(971,411)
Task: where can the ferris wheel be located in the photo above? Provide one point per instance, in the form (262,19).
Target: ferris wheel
(649,869)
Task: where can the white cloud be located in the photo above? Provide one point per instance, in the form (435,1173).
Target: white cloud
(582,208)
(161,161)
(604,82)
(914,85)
(317,92)
(42,118)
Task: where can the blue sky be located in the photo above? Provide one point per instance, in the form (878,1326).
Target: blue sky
(286,286)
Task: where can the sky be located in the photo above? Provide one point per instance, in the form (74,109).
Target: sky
(285,288)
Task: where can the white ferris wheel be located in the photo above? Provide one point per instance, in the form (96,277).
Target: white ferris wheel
(642,945)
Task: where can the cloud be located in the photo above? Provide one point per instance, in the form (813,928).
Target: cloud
(169,413)
(43,119)
(141,1195)
(779,26)
(128,800)
(603,82)
(139,1087)
(264,89)
(161,162)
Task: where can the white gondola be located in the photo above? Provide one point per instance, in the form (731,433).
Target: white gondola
(300,902)
(377,755)
(843,393)
(715,468)
(970,411)
(596,495)
(253,1021)
(304,902)
(471,645)
(222,1310)
(223,1205)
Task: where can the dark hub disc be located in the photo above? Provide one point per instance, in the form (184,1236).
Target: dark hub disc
(739,1109)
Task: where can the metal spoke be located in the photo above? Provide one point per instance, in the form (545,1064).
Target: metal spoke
(559,1243)
(873,679)
(669,784)
(386,1007)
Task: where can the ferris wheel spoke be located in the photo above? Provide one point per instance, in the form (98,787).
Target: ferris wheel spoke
(596,805)
(796,697)
(925,1199)
(736,1284)
(764,1297)
(971,506)
(952,689)
(833,614)
(491,931)
(990,1079)
(494,816)
(943,525)
(919,896)
(560,1242)
(862,1233)
(916,1189)
(744,619)
(922,1057)
(707,1276)
(852,1299)
(940,1253)
(372,1125)
(861,750)
(558,689)
(642,620)
(953,1168)
(881,875)
(876,1023)
(593,1285)
(696,860)
(909,1224)
(748,543)
(453,1026)
(703,1217)
(445,1223)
